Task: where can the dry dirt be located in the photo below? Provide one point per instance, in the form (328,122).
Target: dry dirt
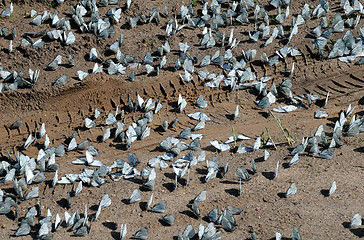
(63,110)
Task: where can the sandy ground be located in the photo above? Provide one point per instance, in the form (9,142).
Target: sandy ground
(264,210)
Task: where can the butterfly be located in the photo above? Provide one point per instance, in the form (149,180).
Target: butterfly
(220,146)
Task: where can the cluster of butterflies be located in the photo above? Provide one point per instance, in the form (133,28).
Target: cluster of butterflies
(238,77)
(62,33)
(33,170)
(226,218)
(46,158)
(213,19)
(17,79)
(74,221)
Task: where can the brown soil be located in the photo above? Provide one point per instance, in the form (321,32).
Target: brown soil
(63,110)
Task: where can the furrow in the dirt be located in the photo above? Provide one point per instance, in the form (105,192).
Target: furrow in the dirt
(339,84)
(320,87)
(174,85)
(357,78)
(354,84)
(163,91)
(335,89)
(349,98)
(306,90)
(157,91)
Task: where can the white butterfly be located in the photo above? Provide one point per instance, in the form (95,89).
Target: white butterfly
(82,75)
(33,75)
(220,146)
(116,68)
(111,119)
(10,46)
(285,109)
(117,15)
(93,54)
(332,188)
(182,103)
(239,137)
(57,222)
(70,38)
(184,47)
(199,116)
(88,160)
(72,145)
(89,123)
(187,77)
(97,68)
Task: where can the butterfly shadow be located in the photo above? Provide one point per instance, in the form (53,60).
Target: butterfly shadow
(121,146)
(203,179)
(283,238)
(264,114)
(229,182)
(169,186)
(321,103)
(259,159)
(209,148)
(5,50)
(170,175)
(63,203)
(163,223)
(252,173)
(359,149)
(51,70)
(161,37)
(268,175)
(189,213)
(5,158)
(110,225)
(81,128)
(39,145)
(174,106)
(159,130)
(115,139)
(108,53)
(168,68)
(136,181)
(325,192)
(257,63)
(143,188)
(158,149)
(229,116)
(115,235)
(285,73)
(361,101)
(201,171)
(87,59)
(232,191)
(333,119)
(285,165)
(11,215)
(310,36)
(143,206)
(346,224)
(284,41)
(127,201)
(153,73)
(359,232)
(281,195)
(99,139)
